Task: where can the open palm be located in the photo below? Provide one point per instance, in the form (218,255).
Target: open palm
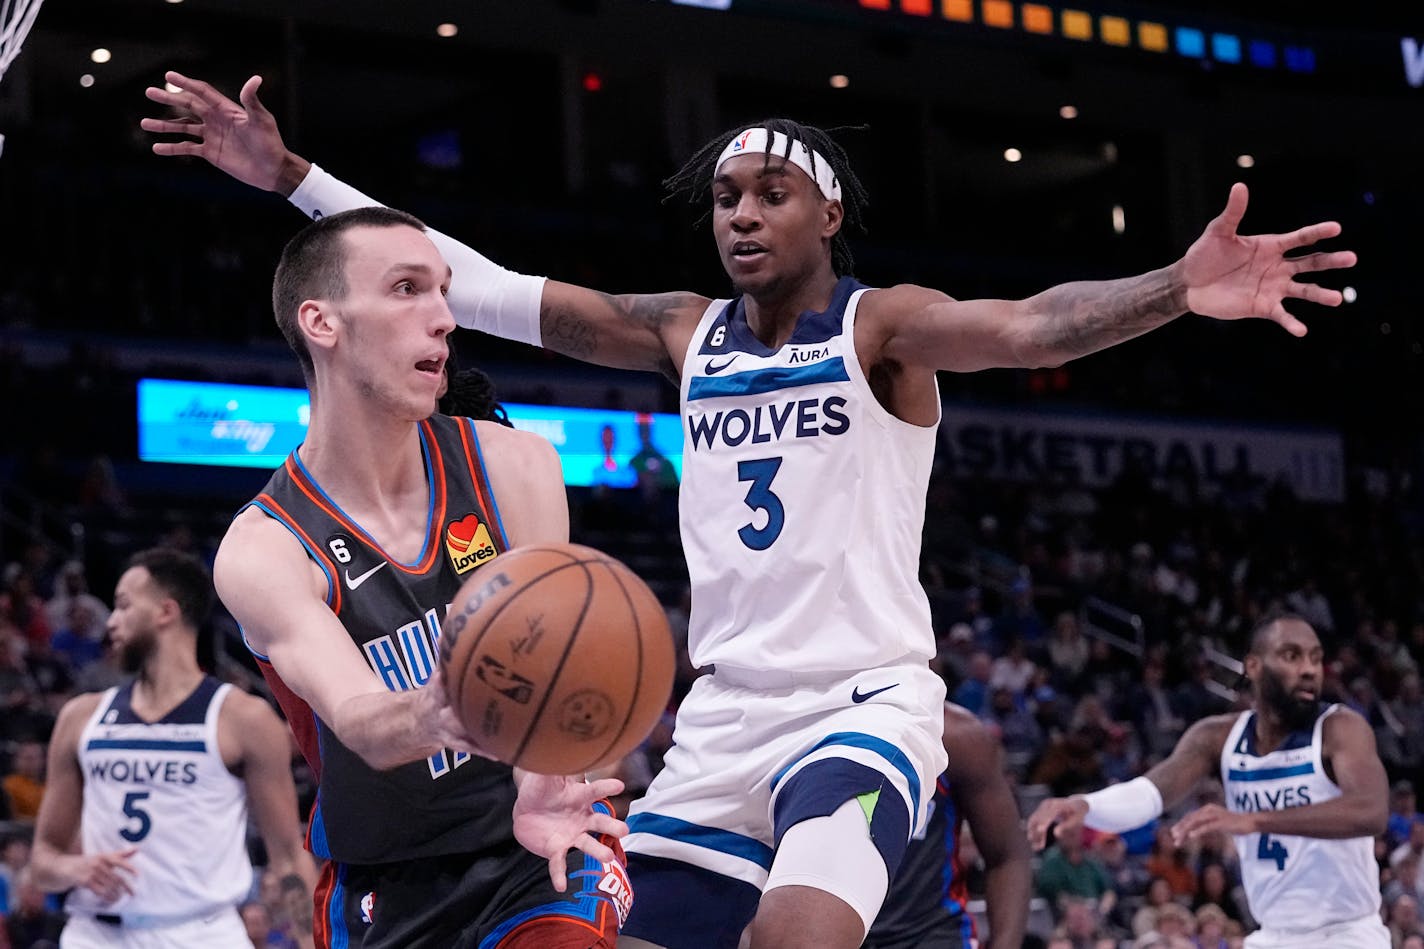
(1232,276)
(555,814)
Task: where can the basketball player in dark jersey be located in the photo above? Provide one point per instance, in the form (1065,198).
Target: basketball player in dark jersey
(341,571)
(926,907)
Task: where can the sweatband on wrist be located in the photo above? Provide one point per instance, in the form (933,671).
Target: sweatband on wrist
(758,141)
(483,295)
(1123,807)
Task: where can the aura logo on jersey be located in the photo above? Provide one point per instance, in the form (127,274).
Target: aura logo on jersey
(468,543)
(801,418)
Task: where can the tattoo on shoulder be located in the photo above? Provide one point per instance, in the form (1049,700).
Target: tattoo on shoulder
(654,309)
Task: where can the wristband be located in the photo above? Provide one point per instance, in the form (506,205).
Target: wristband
(1123,807)
(483,295)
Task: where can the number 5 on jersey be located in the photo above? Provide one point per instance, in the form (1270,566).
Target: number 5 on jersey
(760,497)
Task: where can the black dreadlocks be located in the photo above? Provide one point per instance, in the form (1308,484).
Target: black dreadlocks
(694,179)
(470,393)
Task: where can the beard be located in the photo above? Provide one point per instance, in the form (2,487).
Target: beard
(1294,712)
(134,653)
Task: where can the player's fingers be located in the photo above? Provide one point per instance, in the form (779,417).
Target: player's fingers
(603,787)
(199,90)
(611,826)
(1315,293)
(178,148)
(558,873)
(172,126)
(1325,260)
(595,849)
(248,97)
(1291,325)
(1311,234)
(1235,209)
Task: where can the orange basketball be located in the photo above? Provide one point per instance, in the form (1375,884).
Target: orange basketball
(557,658)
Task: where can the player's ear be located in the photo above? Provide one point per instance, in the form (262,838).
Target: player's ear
(318,322)
(834,216)
(1251,666)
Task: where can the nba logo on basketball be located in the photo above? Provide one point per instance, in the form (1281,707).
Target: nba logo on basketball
(468,543)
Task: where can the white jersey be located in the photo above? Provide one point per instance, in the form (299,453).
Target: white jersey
(1295,884)
(163,788)
(802,501)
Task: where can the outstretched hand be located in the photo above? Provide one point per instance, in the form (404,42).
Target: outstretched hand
(1231,276)
(554,814)
(240,138)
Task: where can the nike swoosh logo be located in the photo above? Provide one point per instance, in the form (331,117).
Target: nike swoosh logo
(353,582)
(712,370)
(858,696)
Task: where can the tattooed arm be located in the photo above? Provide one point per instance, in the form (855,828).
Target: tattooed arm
(1223,275)
(628,331)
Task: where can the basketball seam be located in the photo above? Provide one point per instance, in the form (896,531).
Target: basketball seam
(459,682)
(637,678)
(558,669)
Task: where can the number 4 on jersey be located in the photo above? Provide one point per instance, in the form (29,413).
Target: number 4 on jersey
(1268,849)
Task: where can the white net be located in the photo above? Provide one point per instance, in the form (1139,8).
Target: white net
(16,18)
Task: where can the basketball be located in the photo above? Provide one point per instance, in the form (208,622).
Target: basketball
(557,658)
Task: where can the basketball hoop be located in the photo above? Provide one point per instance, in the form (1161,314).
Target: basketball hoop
(16,18)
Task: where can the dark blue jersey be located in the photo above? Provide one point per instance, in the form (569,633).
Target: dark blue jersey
(452,802)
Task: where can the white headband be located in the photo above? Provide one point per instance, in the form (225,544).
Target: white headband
(754,141)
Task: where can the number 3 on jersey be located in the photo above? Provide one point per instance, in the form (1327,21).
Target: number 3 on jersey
(761,498)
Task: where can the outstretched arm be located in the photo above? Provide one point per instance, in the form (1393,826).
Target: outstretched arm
(627,331)
(976,778)
(1361,810)
(1225,275)
(1119,807)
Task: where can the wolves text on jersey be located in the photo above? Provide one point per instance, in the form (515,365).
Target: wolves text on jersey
(799,418)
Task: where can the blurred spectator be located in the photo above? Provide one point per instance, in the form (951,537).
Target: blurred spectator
(32,923)
(1018,731)
(1216,887)
(21,606)
(1211,922)
(24,784)
(72,588)
(1155,716)
(1080,925)
(973,692)
(79,638)
(1402,917)
(1173,864)
(1068,652)
(14,855)
(1013,669)
(1071,764)
(258,923)
(1068,870)
(1407,709)
(1403,812)
(1313,606)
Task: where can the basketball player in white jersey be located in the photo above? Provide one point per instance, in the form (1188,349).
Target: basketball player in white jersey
(1305,796)
(804,763)
(145,814)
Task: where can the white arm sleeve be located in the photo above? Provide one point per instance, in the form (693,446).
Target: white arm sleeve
(483,295)
(1123,807)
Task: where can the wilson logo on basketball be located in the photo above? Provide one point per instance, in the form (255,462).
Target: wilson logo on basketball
(468,543)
